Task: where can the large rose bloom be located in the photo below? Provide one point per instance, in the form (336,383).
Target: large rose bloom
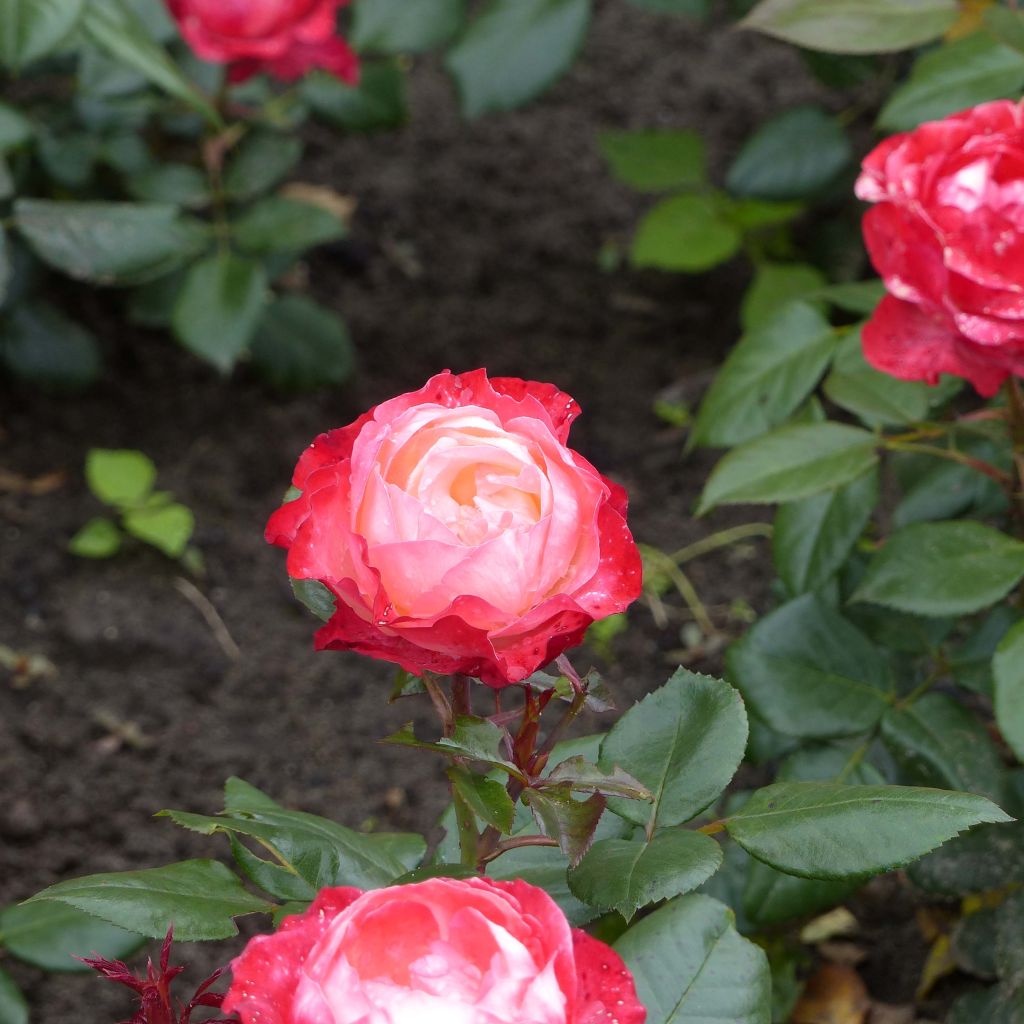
(458,532)
(443,951)
(947,236)
(285,38)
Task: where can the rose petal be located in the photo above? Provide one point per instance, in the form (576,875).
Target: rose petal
(605,989)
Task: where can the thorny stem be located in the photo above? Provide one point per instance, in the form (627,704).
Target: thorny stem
(722,539)
(952,455)
(1015,490)
(515,843)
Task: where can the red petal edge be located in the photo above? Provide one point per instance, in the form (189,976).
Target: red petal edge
(605,993)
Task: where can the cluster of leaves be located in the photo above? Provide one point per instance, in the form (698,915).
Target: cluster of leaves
(124,480)
(608,825)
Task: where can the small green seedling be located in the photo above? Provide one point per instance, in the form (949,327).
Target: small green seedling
(124,480)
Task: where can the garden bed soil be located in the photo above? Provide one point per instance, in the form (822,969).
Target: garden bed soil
(473,245)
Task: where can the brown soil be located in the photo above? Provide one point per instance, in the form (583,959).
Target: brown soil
(473,245)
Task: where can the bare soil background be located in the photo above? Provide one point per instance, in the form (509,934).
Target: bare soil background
(473,245)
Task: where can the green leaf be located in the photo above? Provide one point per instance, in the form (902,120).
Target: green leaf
(376,103)
(791,463)
(618,874)
(767,375)
(180,184)
(833,830)
(99,538)
(278,224)
(15,128)
(168,528)
(686,233)
(809,672)
(584,777)
(775,286)
(938,742)
(119,476)
(1006,25)
(793,156)
(30,29)
(109,243)
(41,345)
(219,308)
(487,797)
(51,935)
(200,897)
(971,662)
(876,398)
(315,596)
(514,49)
(300,345)
(684,742)
(854,296)
(13,1008)
(561,817)
(261,160)
(691,966)
(955,76)
(475,738)
(685,8)
(115,28)
(655,161)
(1008,673)
(951,568)
(853,26)
(772,898)
(812,538)
(394,26)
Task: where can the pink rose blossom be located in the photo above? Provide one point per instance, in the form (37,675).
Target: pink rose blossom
(443,951)
(457,531)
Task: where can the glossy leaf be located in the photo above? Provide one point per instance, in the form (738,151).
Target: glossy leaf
(514,49)
(655,161)
(854,296)
(938,742)
(625,875)
(951,568)
(833,830)
(109,243)
(812,538)
(315,596)
(279,224)
(793,156)
(51,935)
(854,26)
(13,1008)
(201,898)
(792,462)
(259,163)
(775,286)
(487,797)
(180,184)
(767,375)
(300,345)
(684,742)
(691,966)
(771,898)
(394,26)
(376,103)
(685,233)
(951,78)
(473,738)
(15,128)
(30,29)
(218,308)
(584,777)
(1008,673)
(987,858)
(570,821)
(809,672)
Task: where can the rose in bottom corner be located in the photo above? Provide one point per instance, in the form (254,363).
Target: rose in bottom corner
(443,951)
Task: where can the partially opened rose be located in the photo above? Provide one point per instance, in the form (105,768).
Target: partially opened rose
(458,532)
(947,237)
(444,951)
(285,38)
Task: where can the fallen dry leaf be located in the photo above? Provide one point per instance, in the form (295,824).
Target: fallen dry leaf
(886,1013)
(35,487)
(341,206)
(834,995)
(829,926)
(940,963)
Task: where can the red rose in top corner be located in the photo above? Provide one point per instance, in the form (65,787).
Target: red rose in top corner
(285,38)
(444,951)
(457,531)
(947,236)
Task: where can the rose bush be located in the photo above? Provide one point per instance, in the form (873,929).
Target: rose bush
(947,236)
(285,38)
(457,531)
(473,951)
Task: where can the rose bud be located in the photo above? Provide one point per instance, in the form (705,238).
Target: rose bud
(444,951)
(285,38)
(457,531)
(947,236)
